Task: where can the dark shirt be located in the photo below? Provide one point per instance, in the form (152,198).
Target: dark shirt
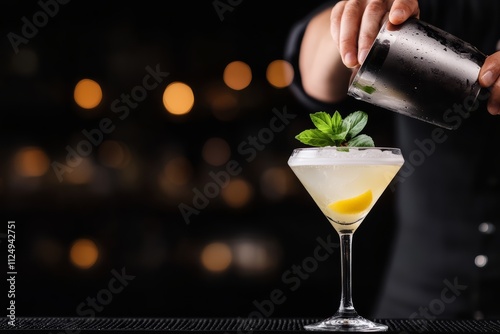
(446,256)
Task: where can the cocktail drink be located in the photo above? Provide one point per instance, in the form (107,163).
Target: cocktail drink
(345,183)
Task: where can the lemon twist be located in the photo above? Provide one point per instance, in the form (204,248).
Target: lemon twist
(353,205)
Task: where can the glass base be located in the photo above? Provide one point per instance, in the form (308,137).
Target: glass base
(339,323)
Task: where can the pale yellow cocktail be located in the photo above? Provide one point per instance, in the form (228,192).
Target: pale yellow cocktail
(345,183)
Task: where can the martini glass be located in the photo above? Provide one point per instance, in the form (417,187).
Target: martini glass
(345,183)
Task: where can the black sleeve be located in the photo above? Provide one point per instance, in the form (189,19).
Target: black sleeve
(292,49)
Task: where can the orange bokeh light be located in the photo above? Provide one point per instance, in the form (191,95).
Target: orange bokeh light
(237,75)
(84,253)
(31,162)
(216,257)
(87,94)
(237,193)
(178,98)
(216,151)
(279,73)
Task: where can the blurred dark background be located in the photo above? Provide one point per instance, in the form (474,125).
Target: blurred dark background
(114,211)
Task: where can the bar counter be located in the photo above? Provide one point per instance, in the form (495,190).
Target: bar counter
(70,325)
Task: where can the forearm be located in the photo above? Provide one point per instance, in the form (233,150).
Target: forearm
(324,76)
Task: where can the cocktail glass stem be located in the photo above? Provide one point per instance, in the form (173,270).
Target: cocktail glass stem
(346,308)
(346,319)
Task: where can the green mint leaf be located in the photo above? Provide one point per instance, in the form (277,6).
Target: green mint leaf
(335,131)
(336,122)
(315,137)
(366,89)
(356,122)
(340,136)
(361,141)
(323,122)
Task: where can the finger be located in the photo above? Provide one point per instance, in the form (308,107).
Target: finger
(489,77)
(490,71)
(349,31)
(401,10)
(335,19)
(370,26)
(494,100)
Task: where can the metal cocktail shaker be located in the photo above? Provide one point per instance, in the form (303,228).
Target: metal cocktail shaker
(420,71)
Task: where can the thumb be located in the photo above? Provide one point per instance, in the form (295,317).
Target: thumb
(401,10)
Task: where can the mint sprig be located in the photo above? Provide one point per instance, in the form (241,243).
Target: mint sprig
(335,131)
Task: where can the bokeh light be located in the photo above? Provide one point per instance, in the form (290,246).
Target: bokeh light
(178,171)
(222,101)
(276,183)
(481,261)
(256,254)
(251,256)
(114,154)
(31,162)
(237,193)
(224,107)
(84,253)
(279,73)
(87,94)
(81,174)
(178,98)
(237,75)
(216,256)
(216,151)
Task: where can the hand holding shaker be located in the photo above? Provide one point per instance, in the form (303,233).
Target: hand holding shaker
(420,71)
